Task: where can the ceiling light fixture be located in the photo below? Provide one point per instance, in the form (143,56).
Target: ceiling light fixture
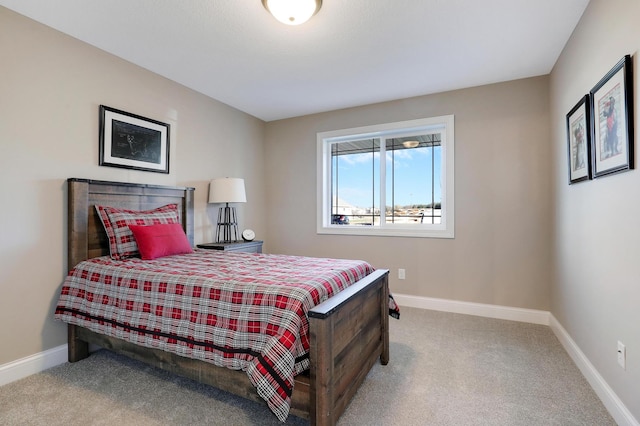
(410,144)
(292,12)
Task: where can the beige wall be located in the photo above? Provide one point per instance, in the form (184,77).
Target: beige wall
(597,236)
(503,215)
(50,88)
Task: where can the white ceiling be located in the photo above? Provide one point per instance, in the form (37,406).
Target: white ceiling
(353,52)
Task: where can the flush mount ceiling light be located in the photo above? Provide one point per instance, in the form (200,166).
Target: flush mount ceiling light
(292,12)
(410,144)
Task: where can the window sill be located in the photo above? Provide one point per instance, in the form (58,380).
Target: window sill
(431,232)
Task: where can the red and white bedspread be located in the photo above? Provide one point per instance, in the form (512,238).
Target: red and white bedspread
(237,310)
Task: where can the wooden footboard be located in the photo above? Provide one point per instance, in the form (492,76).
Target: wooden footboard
(348,333)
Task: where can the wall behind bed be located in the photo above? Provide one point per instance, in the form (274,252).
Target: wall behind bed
(51,86)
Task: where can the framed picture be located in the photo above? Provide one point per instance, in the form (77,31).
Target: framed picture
(579,141)
(612,123)
(133,142)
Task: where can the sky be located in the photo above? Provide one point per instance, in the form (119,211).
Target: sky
(411,172)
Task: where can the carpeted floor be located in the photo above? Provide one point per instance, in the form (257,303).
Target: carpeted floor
(445,369)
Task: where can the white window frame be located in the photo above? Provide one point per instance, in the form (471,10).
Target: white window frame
(445,229)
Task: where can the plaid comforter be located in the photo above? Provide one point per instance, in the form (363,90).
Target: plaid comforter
(236,310)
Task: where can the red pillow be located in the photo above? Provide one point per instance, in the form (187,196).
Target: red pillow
(156,241)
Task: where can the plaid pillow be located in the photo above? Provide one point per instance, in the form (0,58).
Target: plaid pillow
(122,243)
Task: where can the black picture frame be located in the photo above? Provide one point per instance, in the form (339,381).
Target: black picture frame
(134,142)
(612,121)
(579,141)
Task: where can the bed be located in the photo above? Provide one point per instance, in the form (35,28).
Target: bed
(348,332)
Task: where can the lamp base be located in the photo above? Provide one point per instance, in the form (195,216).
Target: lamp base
(227,228)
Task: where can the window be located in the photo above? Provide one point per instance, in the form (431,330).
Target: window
(409,194)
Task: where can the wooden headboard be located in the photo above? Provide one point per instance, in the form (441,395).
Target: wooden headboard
(85,235)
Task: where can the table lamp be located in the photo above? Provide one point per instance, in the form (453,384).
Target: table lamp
(227,190)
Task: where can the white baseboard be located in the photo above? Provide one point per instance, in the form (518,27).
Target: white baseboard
(616,408)
(479,309)
(33,364)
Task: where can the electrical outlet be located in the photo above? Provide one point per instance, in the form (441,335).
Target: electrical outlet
(401,274)
(622,355)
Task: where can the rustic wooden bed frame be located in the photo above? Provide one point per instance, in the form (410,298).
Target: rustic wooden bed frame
(348,332)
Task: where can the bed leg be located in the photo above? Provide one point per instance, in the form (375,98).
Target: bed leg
(321,410)
(77,349)
(384,356)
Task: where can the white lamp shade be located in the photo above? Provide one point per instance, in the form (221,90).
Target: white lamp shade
(292,12)
(227,190)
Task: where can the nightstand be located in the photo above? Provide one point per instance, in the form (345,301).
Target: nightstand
(243,246)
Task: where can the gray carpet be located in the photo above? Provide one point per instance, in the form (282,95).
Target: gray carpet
(445,369)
